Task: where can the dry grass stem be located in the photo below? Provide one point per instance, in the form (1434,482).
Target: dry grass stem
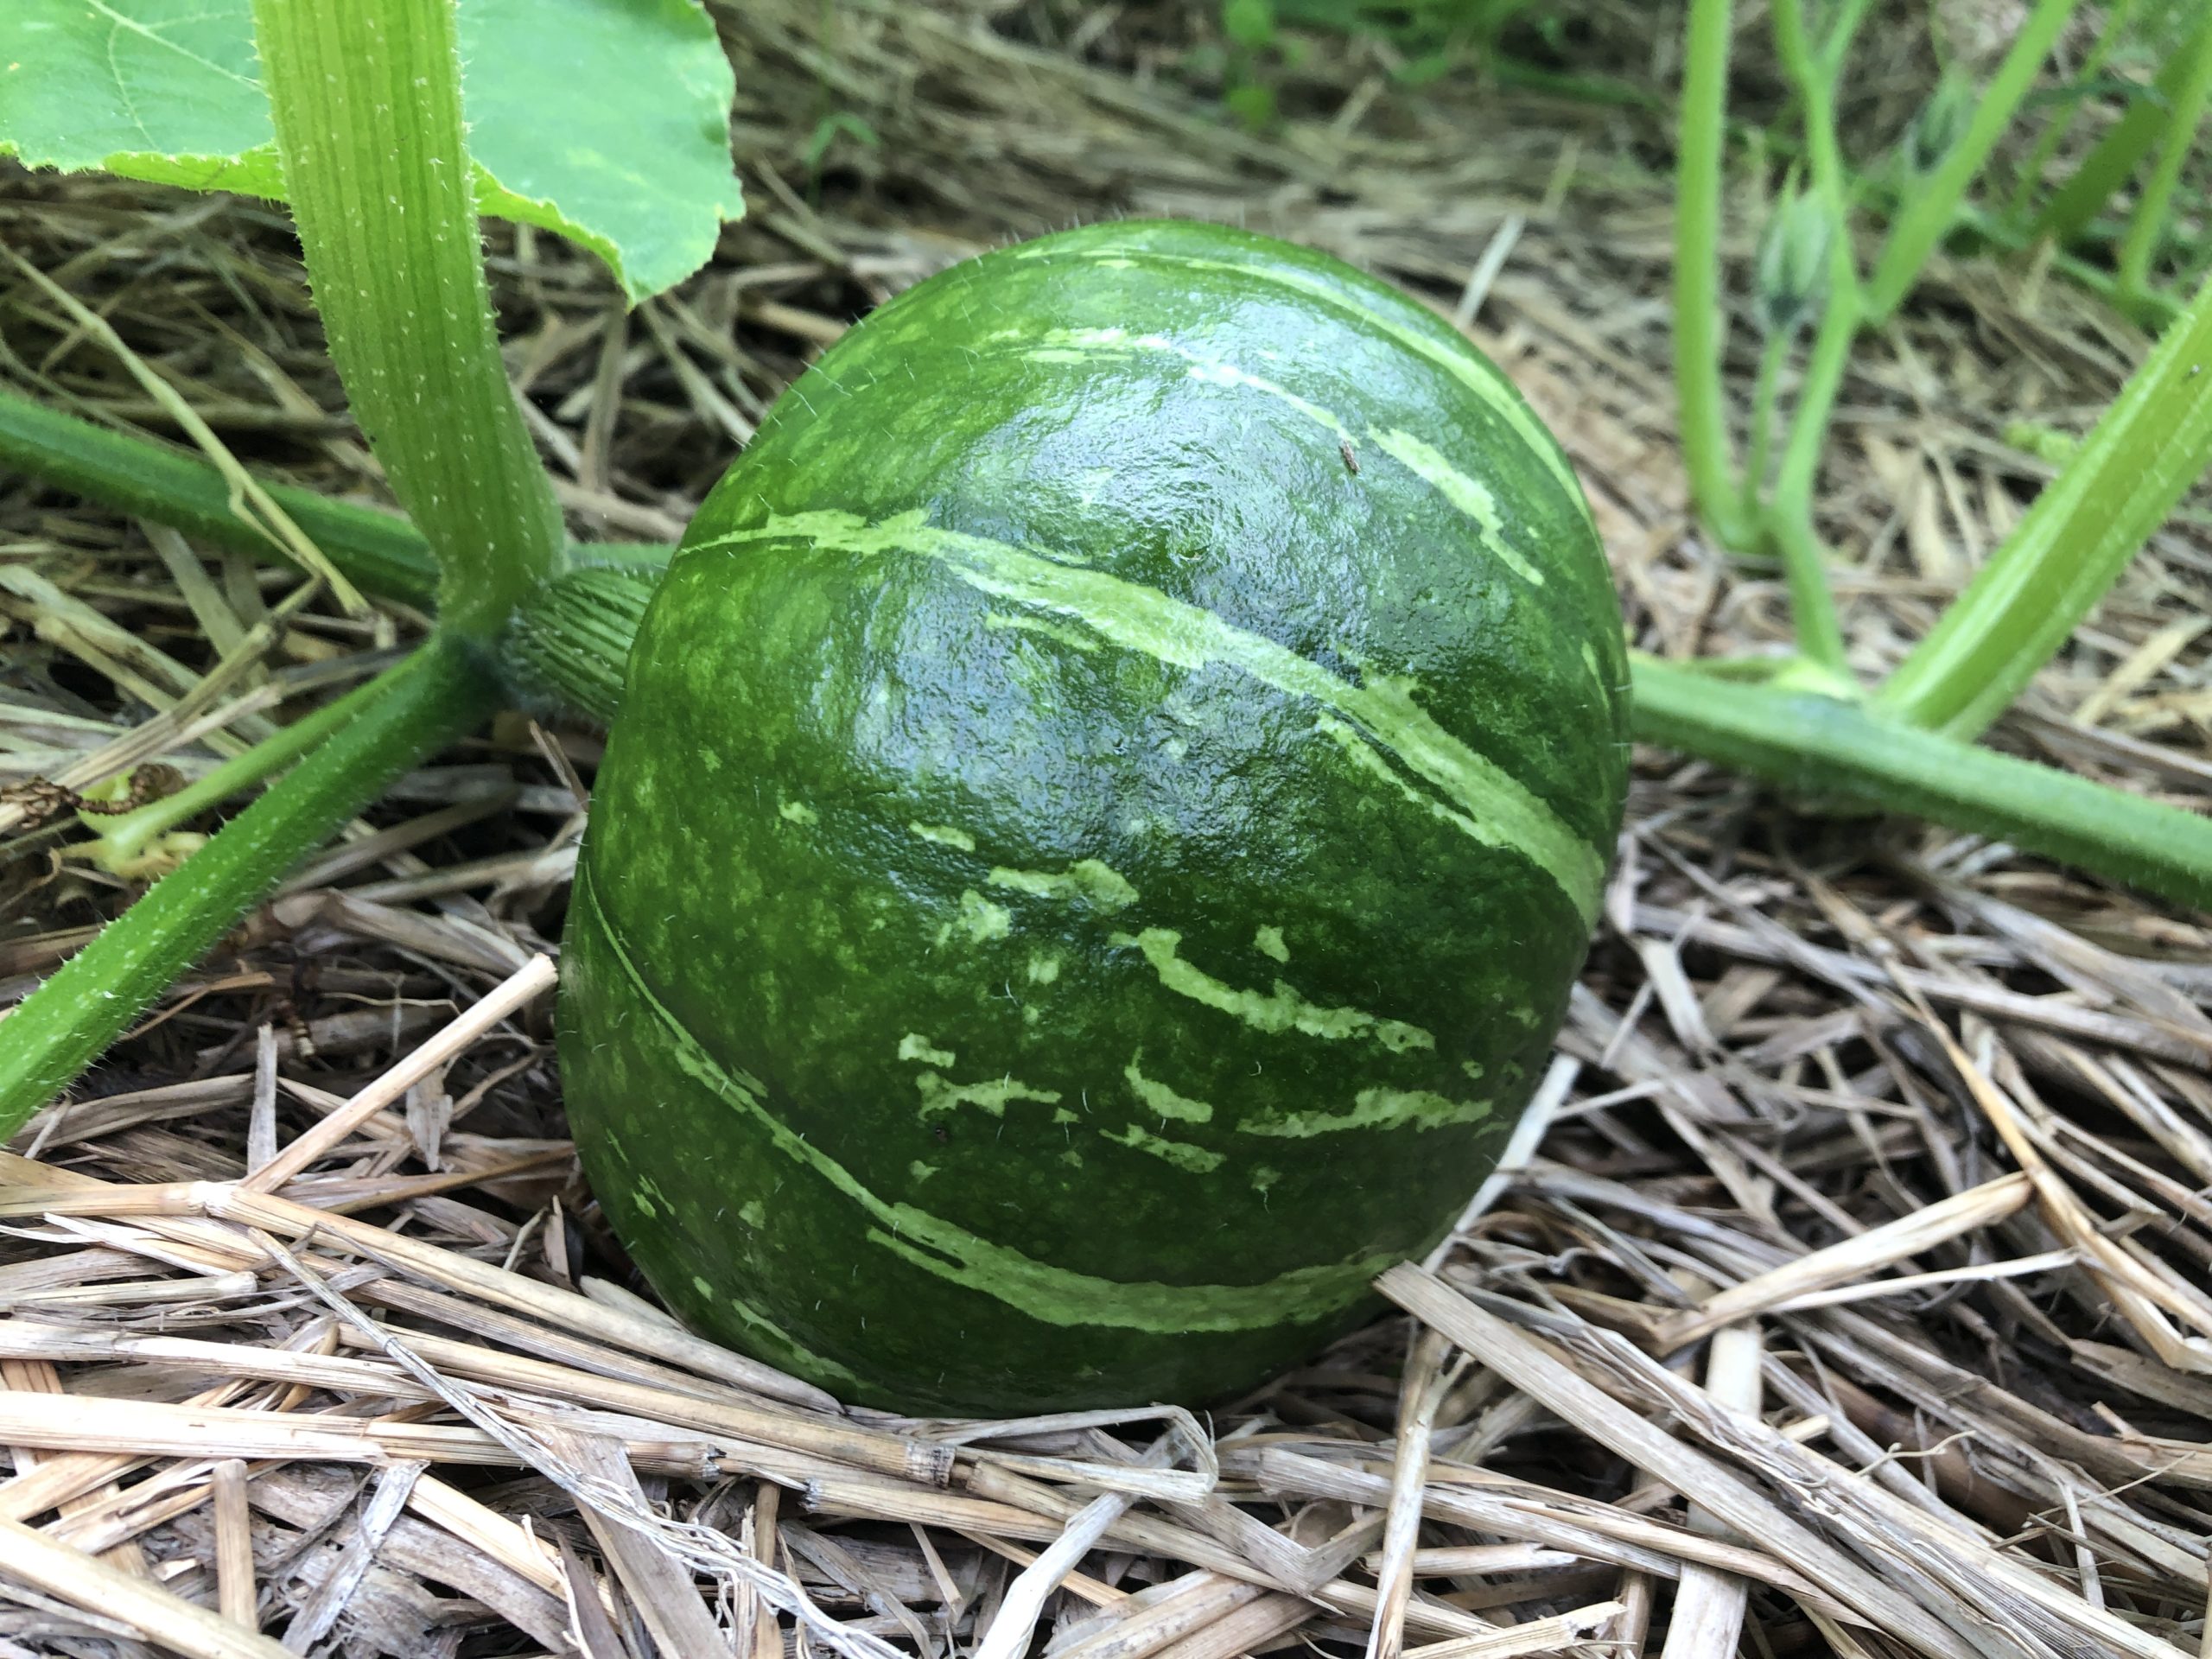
(513,992)
(1851,1261)
(237,1596)
(1422,1392)
(1709,1612)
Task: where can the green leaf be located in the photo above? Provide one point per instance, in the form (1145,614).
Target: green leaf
(607,121)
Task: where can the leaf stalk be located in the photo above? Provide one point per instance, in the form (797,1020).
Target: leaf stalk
(367,102)
(2150,446)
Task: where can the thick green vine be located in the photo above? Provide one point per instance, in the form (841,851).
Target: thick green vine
(411,711)
(380,554)
(1828,751)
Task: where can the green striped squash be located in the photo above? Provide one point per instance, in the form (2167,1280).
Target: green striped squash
(1107,807)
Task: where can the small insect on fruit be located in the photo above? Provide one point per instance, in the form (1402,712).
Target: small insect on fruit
(1075,891)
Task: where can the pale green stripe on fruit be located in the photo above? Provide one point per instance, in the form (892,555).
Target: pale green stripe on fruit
(783,1346)
(979,918)
(1086,879)
(1487,383)
(1498,810)
(1065,636)
(941,1095)
(1361,755)
(1372,1109)
(1470,495)
(1194,1160)
(1073,345)
(944,835)
(1163,1101)
(1049,1294)
(1283,1009)
(915,1046)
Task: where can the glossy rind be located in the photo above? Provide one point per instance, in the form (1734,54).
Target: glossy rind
(1108,806)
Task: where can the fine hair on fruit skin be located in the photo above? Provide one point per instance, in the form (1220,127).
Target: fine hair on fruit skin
(1108,804)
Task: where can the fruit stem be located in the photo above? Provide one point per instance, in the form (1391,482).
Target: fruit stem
(570,639)
(1772,355)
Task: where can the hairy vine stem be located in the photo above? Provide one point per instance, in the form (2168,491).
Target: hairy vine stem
(412,710)
(1834,752)
(366,98)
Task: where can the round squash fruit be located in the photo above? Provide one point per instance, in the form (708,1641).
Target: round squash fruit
(1108,805)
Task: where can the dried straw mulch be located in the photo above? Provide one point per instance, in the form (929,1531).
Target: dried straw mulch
(1846,1293)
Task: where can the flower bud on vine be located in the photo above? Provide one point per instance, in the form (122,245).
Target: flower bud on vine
(1792,272)
(1940,123)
